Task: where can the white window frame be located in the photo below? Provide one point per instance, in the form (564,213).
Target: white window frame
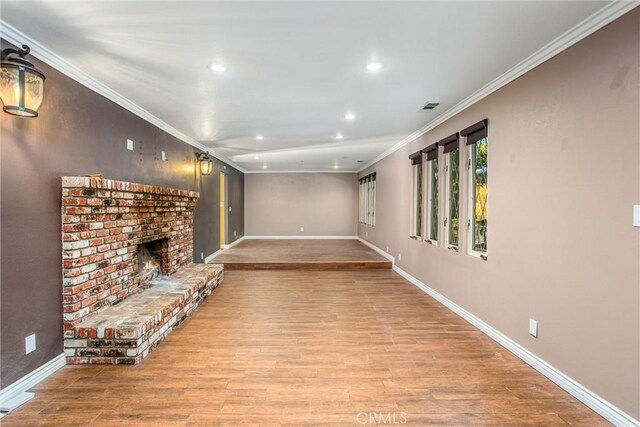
(471,195)
(414,200)
(447,200)
(367,202)
(360,204)
(429,201)
(373,202)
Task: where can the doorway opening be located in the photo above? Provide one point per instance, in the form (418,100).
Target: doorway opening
(223,210)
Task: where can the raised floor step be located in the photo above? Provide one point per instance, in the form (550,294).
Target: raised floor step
(308,265)
(302,254)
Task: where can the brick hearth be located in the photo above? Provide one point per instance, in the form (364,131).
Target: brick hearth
(103,222)
(125,333)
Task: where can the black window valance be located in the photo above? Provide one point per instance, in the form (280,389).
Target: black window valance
(431,151)
(450,143)
(367,178)
(475,132)
(416,158)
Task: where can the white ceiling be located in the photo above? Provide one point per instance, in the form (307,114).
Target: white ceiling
(295,69)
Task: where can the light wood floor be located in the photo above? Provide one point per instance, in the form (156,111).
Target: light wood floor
(301,347)
(294,254)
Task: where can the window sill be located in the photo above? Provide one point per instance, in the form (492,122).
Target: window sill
(431,242)
(479,255)
(453,248)
(415,237)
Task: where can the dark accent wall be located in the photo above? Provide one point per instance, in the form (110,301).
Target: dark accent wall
(79,132)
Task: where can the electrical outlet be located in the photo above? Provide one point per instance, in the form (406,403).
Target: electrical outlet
(302,229)
(636,215)
(202,255)
(129,145)
(30,344)
(387,251)
(164,156)
(224,166)
(533,328)
(234,233)
(399,257)
(229,208)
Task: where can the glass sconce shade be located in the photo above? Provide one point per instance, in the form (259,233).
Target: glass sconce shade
(21,84)
(206,163)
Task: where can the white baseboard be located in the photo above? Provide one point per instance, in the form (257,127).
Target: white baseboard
(210,258)
(301,237)
(15,392)
(606,409)
(380,251)
(232,244)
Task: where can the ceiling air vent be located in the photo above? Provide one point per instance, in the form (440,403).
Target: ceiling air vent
(430,105)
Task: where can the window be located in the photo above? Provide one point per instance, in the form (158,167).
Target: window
(432,194)
(367,200)
(452,191)
(478,143)
(416,195)
(373,201)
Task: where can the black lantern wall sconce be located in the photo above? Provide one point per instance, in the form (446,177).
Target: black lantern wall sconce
(21,84)
(206,163)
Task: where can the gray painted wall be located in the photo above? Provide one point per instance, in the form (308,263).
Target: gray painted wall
(78,132)
(563,176)
(278,204)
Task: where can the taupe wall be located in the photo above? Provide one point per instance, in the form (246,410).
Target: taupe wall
(78,132)
(564,172)
(278,204)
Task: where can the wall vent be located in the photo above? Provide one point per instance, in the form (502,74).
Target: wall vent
(430,105)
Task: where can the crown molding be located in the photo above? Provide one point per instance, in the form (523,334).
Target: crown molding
(593,23)
(18,38)
(300,171)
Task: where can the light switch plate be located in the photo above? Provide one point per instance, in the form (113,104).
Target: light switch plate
(164,156)
(533,328)
(30,344)
(229,208)
(129,145)
(636,215)
(302,229)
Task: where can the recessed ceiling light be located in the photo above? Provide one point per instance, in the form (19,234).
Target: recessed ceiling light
(374,66)
(350,116)
(260,137)
(264,166)
(335,166)
(256,157)
(339,136)
(218,68)
(234,160)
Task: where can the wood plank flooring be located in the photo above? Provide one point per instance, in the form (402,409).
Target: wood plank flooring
(311,347)
(294,254)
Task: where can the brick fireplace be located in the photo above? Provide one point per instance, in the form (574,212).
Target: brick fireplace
(118,239)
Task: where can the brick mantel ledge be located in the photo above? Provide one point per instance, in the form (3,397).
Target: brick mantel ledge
(110,184)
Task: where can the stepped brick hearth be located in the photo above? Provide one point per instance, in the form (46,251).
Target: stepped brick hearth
(128,277)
